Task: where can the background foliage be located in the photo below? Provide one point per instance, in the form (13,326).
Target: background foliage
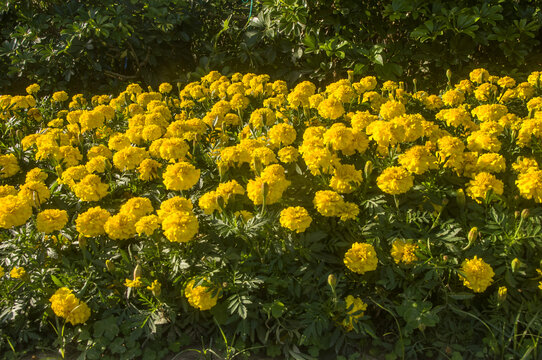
(79,43)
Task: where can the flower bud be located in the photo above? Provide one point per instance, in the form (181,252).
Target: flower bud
(368,169)
(110,265)
(517,214)
(525,214)
(350,76)
(332,280)
(445,258)
(473,235)
(137,271)
(515,264)
(415,82)
(503,291)
(460,197)
(449,75)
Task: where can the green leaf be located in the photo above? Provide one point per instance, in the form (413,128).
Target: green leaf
(56,281)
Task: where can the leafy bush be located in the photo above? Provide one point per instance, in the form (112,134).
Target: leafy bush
(248,217)
(94,46)
(413,37)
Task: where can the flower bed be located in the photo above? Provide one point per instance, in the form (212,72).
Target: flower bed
(362,218)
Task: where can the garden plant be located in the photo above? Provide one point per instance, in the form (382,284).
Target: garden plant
(238,216)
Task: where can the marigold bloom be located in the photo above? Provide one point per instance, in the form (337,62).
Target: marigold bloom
(135,283)
(90,188)
(14,211)
(91,222)
(66,305)
(295,218)
(181,176)
(355,310)
(404,251)
(478,275)
(530,185)
(8,166)
(482,184)
(395,180)
(120,226)
(360,258)
(201,297)
(180,226)
(147,225)
(418,160)
(17,273)
(51,220)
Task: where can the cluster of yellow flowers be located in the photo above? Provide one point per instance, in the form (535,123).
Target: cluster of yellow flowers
(258,138)
(66,305)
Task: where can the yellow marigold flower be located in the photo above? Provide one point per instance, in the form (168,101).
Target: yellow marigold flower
(345,139)
(90,188)
(418,159)
(135,283)
(6,190)
(99,150)
(148,169)
(479,76)
(51,220)
(479,141)
(274,177)
(453,98)
(66,305)
(412,125)
(288,154)
(360,258)
(355,308)
(60,96)
(36,174)
(147,225)
(476,274)
(129,158)
(180,226)
(173,205)
(14,211)
(137,207)
(535,104)
(433,102)
(404,251)
(300,94)
(151,132)
(32,89)
(165,88)
(392,109)
(8,166)
(262,117)
(91,222)
(485,92)
(330,108)
(525,165)
(455,117)
(329,203)
(35,192)
(90,120)
(98,164)
(395,180)
(345,178)
(361,119)
(506,82)
(71,156)
(155,287)
(18,273)
(173,149)
(118,141)
(491,163)
(492,112)
(524,91)
(2,273)
(181,176)
(385,133)
(201,297)
(482,183)
(120,226)
(295,218)
(530,185)
(209,202)
(282,135)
